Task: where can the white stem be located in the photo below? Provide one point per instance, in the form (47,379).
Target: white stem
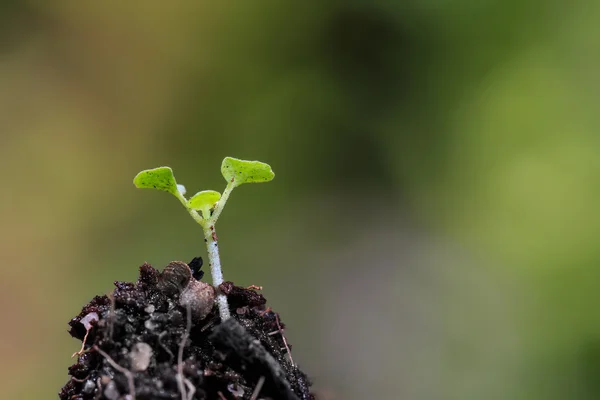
(212,248)
(221,203)
(214,261)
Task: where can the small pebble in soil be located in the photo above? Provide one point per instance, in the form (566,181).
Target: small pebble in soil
(140,355)
(111,392)
(88,387)
(88,320)
(237,391)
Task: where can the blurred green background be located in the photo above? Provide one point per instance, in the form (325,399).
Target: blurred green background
(432,232)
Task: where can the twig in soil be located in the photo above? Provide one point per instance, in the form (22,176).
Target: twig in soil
(122,370)
(254,287)
(284,340)
(209,325)
(259,386)
(184,338)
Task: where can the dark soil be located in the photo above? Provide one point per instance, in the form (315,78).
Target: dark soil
(136,347)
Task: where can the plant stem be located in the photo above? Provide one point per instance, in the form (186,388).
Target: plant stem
(197,217)
(212,248)
(214,261)
(221,203)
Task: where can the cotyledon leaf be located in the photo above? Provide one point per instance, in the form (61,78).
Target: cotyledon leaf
(160,178)
(241,171)
(204,201)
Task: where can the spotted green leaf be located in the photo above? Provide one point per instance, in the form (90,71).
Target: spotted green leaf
(204,201)
(241,171)
(158,178)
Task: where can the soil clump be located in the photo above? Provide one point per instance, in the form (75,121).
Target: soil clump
(148,341)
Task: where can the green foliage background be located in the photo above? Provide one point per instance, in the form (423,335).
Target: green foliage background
(433,228)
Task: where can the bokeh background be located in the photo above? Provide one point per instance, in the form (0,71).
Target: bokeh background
(433,229)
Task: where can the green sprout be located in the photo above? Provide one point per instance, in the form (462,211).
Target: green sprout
(206,206)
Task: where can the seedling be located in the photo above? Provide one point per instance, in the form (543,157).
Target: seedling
(205,207)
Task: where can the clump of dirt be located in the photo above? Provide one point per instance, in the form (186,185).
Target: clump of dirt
(148,341)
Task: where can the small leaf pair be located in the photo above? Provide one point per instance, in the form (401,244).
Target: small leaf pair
(236,172)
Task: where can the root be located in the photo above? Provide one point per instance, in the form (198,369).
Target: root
(165,348)
(111,315)
(88,323)
(191,389)
(82,350)
(180,377)
(122,370)
(266,310)
(259,386)
(284,340)
(80,380)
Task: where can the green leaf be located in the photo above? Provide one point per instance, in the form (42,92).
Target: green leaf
(242,171)
(204,201)
(158,178)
